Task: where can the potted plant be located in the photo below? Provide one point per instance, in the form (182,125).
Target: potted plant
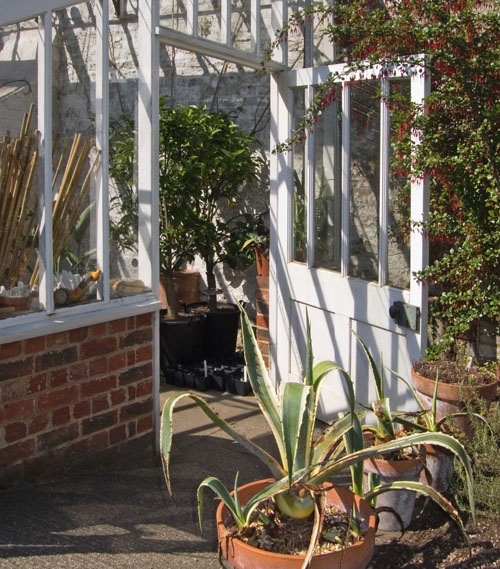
(456,387)
(438,462)
(212,158)
(181,335)
(405,464)
(301,485)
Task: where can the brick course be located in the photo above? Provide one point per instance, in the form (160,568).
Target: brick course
(75,397)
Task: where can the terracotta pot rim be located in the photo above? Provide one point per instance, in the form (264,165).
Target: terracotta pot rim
(364,542)
(426,386)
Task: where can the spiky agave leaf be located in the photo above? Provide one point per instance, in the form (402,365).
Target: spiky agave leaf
(166,433)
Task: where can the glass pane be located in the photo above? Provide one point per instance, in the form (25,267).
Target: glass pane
(299,196)
(19,179)
(75,159)
(123,199)
(328,186)
(365,187)
(398,270)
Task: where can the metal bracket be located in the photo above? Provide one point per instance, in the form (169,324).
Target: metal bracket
(405,315)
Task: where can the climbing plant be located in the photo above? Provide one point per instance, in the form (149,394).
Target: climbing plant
(458,125)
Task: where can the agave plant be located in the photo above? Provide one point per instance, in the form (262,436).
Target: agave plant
(305,463)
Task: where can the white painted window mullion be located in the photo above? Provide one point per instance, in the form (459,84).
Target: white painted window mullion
(346,178)
(46,256)
(279,18)
(384,183)
(309,184)
(225,22)
(191,7)
(419,247)
(102,144)
(255,26)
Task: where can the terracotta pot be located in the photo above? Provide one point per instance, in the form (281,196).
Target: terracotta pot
(451,397)
(236,554)
(186,285)
(400,501)
(439,466)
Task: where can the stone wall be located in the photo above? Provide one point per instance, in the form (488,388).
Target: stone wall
(75,397)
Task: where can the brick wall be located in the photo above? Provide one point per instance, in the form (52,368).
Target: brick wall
(75,397)
(262,316)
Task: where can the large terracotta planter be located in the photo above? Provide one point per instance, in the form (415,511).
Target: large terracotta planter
(236,554)
(452,397)
(401,502)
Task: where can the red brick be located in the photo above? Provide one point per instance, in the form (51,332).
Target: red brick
(16,368)
(81,409)
(34,345)
(99,366)
(96,386)
(136,338)
(98,347)
(15,432)
(136,409)
(100,422)
(79,371)
(78,335)
(130,358)
(11,390)
(56,358)
(132,392)
(100,404)
(56,437)
(61,416)
(118,396)
(57,339)
(134,374)
(99,441)
(10,350)
(117,326)
(144,320)
(38,383)
(117,361)
(144,424)
(98,331)
(261,321)
(117,434)
(38,423)
(144,353)
(58,398)
(16,452)
(17,410)
(58,377)
(145,388)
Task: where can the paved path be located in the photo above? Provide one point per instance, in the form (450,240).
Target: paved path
(122,516)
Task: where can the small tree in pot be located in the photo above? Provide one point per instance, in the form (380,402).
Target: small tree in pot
(210,158)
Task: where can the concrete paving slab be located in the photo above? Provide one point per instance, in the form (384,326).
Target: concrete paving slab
(121,516)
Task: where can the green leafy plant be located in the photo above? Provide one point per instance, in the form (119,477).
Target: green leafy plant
(204,160)
(304,462)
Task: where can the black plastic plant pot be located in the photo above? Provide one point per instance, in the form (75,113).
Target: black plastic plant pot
(221,329)
(181,340)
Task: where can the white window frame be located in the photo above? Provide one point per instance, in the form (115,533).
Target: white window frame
(49,319)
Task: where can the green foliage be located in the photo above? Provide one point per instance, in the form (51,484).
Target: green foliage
(204,160)
(483,450)
(460,131)
(304,461)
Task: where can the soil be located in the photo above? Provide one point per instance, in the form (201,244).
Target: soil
(449,371)
(433,542)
